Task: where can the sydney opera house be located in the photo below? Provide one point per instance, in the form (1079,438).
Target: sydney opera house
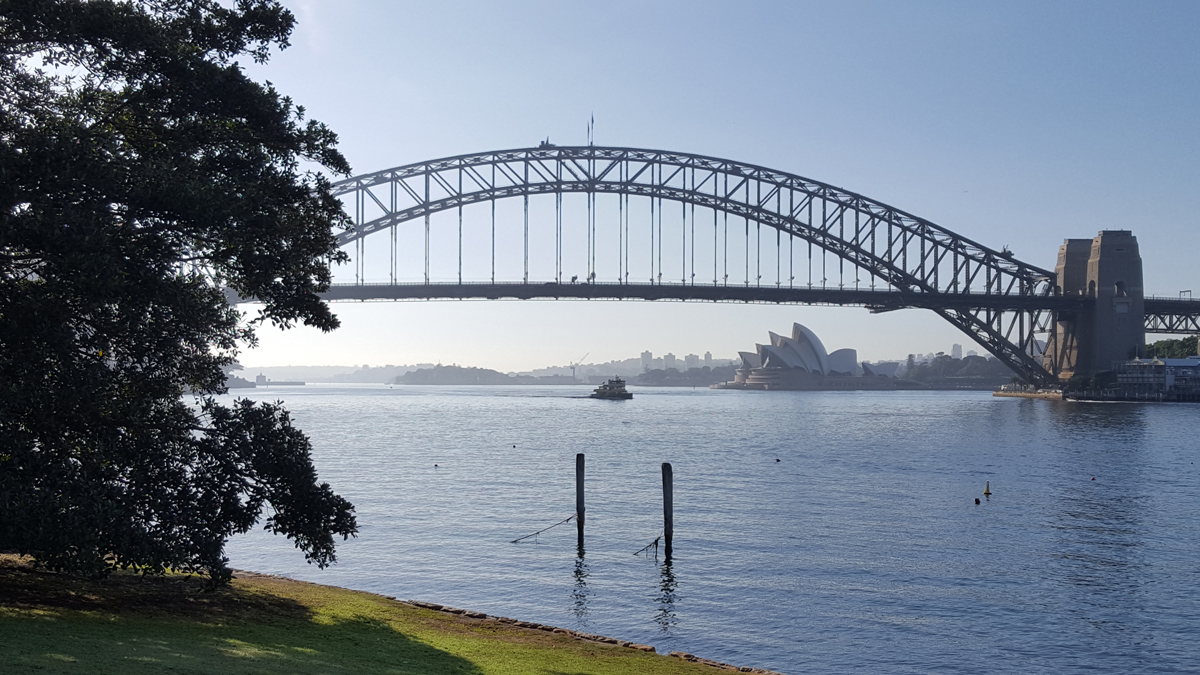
(801,362)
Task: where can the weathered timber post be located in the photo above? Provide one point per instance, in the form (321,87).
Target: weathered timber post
(668,506)
(579,496)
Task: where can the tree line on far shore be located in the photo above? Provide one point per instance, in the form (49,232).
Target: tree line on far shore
(1172,349)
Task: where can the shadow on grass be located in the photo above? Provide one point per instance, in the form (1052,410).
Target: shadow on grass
(81,643)
(51,623)
(178,596)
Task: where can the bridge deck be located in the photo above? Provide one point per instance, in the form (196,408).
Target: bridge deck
(1172,315)
(874,299)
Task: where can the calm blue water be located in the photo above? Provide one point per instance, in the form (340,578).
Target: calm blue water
(862,548)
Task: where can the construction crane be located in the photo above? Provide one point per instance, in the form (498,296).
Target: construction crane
(573,365)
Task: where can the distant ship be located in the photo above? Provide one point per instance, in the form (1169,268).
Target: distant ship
(613,389)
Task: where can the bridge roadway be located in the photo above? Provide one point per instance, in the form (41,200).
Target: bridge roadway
(1172,315)
(1163,315)
(878,300)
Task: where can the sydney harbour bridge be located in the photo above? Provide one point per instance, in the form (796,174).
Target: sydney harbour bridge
(592,222)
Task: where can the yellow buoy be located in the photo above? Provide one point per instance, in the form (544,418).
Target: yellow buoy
(987,488)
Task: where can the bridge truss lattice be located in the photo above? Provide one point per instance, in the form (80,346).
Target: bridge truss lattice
(885,258)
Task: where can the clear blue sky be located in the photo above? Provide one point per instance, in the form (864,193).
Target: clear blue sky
(1016,123)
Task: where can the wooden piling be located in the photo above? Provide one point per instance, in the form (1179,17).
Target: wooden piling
(579,496)
(668,506)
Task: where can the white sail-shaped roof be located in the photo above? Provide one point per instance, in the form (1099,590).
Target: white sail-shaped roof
(844,361)
(792,356)
(773,357)
(809,346)
(750,360)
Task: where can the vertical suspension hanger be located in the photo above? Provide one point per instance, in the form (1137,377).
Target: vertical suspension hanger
(810,228)
(725,251)
(526,196)
(357,242)
(651,223)
(825,231)
(791,238)
(587,197)
(427,170)
(493,200)
(746,219)
(693,209)
(393,228)
(757,234)
(858,244)
(683,240)
(460,209)
(620,224)
(356,230)
(558,221)
(714,210)
(627,242)
(778,236)
(592,201)
(842,260)
(661,246)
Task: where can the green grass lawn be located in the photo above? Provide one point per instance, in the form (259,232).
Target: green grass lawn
(50,623)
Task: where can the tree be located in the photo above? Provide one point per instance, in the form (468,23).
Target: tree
(141,174)
(1173,349)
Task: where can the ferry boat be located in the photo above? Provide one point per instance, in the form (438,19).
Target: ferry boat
(613,389)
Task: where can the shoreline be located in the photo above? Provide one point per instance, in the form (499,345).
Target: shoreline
(481,617)
(144,625)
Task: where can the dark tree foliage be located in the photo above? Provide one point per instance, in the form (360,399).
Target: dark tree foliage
(1173,349)
(141,174)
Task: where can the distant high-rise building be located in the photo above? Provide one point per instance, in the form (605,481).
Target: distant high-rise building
(708,359)
(956,351)
(647,361)
(668,361)
(972,352)
(691,361)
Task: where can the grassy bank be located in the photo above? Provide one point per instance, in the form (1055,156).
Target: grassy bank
(128,624)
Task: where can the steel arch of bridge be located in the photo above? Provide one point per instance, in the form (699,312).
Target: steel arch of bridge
(1002,303)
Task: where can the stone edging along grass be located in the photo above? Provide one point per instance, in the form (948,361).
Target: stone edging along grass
(530,625)
(581,635)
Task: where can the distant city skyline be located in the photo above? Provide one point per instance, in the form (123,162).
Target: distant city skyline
(646,360)
(1017,124)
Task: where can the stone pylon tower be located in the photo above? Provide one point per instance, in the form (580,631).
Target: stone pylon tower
(1111,328)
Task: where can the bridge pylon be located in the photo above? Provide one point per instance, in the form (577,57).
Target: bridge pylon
(1110,327)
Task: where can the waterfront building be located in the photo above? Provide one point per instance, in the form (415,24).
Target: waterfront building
(668,361)
(708,361)
(956,351)
(691,361)
(1160,376)
(647,361)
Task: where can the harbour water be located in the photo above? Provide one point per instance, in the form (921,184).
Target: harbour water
(860,548)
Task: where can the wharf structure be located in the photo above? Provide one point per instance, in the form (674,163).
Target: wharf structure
(800,362)
(1150,380)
